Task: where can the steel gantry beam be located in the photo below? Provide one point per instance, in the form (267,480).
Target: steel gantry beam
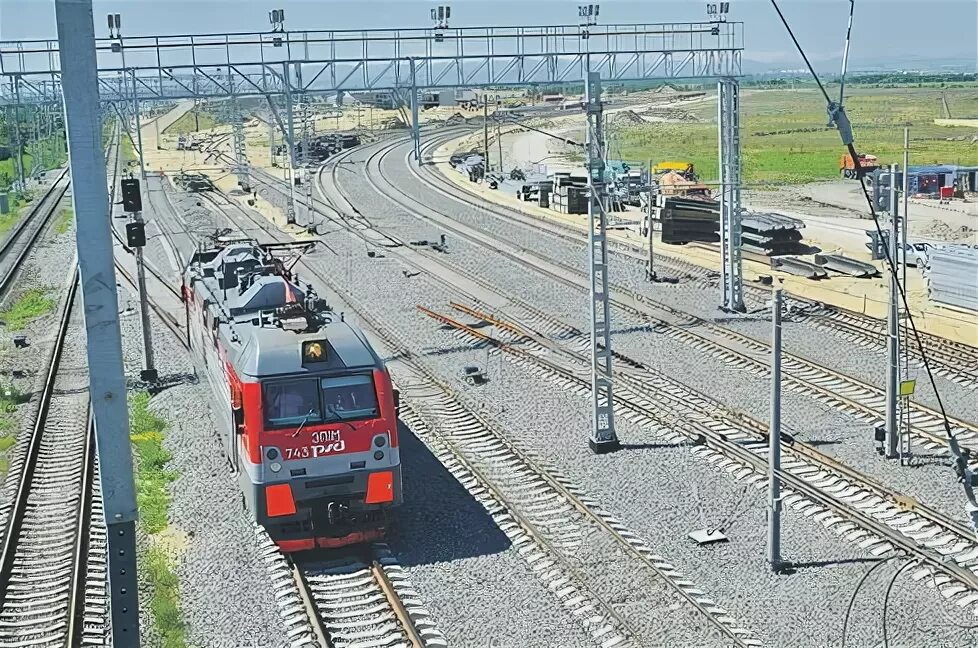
(185,66)
(728,120)
(293,66)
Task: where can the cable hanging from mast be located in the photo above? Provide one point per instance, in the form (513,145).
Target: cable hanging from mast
(839,119)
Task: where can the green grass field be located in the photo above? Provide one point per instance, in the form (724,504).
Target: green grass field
(153,479)
(188,124)
(878,117)
(32,304)
(65,219)
(53,157)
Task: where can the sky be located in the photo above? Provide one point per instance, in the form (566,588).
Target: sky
(884,30)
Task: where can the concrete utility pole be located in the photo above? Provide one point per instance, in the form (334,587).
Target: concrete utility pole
(892,328)
(774,441)
(603,438)
(905,240)
(76,38)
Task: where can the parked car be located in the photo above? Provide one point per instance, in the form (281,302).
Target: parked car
(914,254)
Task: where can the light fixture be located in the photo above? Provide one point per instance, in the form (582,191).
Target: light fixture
(277,19)
(115,25)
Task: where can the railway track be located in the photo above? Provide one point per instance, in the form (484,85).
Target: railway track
(53,557)
(827,385)
(43,548)
(541,512)
(17,246)
(858,509)
(953,360)
(364,599)
(809,374)
(893,515)
(854,506)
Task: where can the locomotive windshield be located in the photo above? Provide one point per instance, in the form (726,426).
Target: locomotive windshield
(289,403)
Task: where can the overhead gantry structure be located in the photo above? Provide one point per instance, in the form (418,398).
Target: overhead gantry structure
(289,67)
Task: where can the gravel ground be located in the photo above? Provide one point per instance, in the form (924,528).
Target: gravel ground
(461,563)
(640,486)
(695,297)
(24,369)
(837,433)
(377,285)
(227,599)
(647,498)
(464,566)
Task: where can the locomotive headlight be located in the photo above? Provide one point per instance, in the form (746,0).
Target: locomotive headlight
(272,454)
(275,466)
(380,441)
(379,455)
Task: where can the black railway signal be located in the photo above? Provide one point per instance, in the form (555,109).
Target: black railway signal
(132,202)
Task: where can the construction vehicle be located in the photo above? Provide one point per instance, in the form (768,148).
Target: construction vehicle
(679,166)
(868,164)
(674,183)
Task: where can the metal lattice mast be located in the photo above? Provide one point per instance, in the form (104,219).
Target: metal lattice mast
(307,130)
(728,120)
(290,142)
(233,113)
(242,168)
(603,437)
(415,125)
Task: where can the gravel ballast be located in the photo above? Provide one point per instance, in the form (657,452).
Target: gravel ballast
(837,433)
(226,596)
(632,486)
(457,559)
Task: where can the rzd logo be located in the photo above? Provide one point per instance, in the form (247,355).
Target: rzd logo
(328,448)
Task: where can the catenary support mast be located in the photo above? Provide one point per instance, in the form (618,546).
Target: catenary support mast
(76,36)
(729,136)
(603,437)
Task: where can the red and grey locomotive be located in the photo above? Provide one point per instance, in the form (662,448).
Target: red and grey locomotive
(305,406)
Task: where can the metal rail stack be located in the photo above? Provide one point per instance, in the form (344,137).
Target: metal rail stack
(772,234)
(685,220)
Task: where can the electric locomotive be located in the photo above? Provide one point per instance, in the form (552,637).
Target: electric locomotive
(306,408)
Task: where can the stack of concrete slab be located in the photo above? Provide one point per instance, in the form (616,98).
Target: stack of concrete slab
(570,193)
(845,265)
(772,234)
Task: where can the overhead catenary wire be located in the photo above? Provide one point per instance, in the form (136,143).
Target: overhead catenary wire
(839,118)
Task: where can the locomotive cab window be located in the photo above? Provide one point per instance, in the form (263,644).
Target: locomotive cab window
(292,402)
(348,397)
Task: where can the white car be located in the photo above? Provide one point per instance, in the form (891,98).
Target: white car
(914,254)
